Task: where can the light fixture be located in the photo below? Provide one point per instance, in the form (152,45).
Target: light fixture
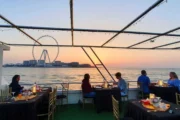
(34,89)
(160,83)
(151,96)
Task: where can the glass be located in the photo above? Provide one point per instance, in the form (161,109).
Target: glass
(25,94)
(13,95)
(151,96)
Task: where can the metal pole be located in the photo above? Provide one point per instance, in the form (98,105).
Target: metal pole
(72,26)
(19,29)
(86,30)
(155,37)
(94,64)
(140,16)
(112,47)
(167,45)
(102,64)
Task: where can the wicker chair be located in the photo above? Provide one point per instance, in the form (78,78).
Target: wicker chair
(4,92)
(177,99)
(65,90)
(141,94)
(50,112)
(115,104)
(54,97)
(84,99)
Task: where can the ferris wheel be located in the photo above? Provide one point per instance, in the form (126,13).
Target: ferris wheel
(45,55)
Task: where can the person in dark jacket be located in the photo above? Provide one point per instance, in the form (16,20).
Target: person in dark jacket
(15,85)
(86,87)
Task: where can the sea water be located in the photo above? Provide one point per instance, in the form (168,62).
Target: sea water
(54,75)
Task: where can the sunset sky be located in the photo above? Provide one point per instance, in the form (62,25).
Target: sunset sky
(93,14)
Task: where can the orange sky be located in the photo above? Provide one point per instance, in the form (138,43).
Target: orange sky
(111,57)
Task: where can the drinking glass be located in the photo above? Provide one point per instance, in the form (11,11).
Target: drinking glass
(12,95)
(26,95)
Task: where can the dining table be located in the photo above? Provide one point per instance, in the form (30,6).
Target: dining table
(166,93)
(137,111)
(24,109)
(103,99)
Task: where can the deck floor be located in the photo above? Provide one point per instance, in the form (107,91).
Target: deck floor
(76,112)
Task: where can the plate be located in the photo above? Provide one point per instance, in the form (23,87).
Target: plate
(98,87)
(151,107)
(23,98)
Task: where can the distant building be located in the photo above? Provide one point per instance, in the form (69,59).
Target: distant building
(19,64)
(57,63)
(84,65)
(41,63)
(26,63)
(32,62)
(74,64)
(49,64)
(64,64)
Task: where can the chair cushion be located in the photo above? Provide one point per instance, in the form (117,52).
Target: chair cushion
(60,96)
(126,118)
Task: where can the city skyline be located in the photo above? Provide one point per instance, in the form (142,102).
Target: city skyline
(56,14)
(43,63)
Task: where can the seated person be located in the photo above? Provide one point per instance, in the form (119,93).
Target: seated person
(144,82)
(122,85)
(173,80)
(86,87)
(15,85)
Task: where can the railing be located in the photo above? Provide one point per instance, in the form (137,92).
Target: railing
(77,85)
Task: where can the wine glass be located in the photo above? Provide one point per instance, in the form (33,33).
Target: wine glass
(13,95)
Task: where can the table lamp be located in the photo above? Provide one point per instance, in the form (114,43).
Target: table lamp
(151,96)
(105,85)
(160,82)
(34,89)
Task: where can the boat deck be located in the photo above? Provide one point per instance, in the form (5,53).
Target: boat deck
(76,112)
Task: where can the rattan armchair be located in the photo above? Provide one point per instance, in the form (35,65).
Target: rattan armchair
(177,99)
(84,99)
(50,112)
(54,98)
(65,90)
(116,112)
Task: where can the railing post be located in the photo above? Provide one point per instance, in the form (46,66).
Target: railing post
(102,64)
(94,63)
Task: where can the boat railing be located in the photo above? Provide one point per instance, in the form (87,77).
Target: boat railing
(76,85)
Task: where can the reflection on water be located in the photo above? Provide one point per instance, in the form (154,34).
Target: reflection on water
(48,75)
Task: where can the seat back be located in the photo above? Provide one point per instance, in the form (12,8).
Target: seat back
(140,86)
(115,104)
(177,99)
(51,103)
(54,95)
(141,89)
(65,88)
(4,92)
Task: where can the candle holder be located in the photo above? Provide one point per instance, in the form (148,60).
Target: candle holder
(160,83)
(151,96)
(34,91)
